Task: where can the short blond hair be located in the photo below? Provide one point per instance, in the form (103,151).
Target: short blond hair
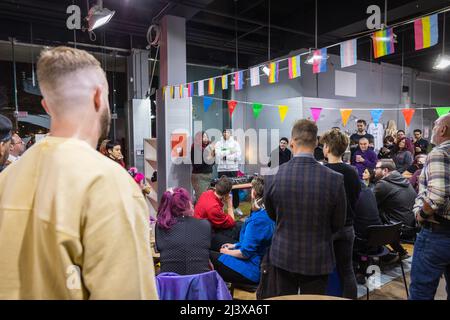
(58,62)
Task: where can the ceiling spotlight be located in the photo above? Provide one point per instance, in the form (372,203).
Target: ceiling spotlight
(442,62)
(266,70)
(98,16)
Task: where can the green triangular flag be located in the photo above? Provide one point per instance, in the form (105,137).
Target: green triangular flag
(257,107)
(442,110)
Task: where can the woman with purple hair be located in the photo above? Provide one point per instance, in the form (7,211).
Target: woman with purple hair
(182,240)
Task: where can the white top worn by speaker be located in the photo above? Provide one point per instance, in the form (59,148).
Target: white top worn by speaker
(378,133)
(228,155)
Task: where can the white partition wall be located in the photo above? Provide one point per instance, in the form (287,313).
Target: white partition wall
(141,130)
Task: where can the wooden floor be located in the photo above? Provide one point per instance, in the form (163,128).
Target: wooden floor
(394,290)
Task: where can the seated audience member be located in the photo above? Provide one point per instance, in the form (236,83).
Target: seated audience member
(399,136)
(113,150)
(139,177)
(210,206)
(420,144)
(414,179)
(395,195)
(403,158)
(366,215)
(240,262)
(16,149)
(418,163)
(364,157)
(182,240)
(334,145)
(280,155)
(366,212)
(5,140)
(361,133)
(387,151)
(368,178)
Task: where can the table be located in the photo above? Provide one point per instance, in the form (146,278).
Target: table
(306,297)
(242,186)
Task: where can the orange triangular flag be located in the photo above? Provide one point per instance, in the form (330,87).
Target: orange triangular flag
(408,114)
(345,114)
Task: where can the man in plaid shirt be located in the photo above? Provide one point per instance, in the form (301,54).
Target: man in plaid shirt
(431,256)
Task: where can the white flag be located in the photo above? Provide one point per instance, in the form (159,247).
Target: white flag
(201,88)
(254,76)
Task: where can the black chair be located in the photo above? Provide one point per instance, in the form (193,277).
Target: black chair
(378,237)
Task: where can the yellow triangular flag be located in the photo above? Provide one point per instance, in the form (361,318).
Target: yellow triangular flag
(345,114)
(283,110)
(163,92)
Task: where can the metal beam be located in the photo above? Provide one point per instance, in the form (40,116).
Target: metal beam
(242,19)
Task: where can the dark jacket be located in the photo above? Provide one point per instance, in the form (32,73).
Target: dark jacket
(204,166)
(283,157)
(185,247)
(366,212)
(386,152)
(308,202)
(403,159)
(395,199)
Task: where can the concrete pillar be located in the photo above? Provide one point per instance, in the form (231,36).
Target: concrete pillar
(173,116)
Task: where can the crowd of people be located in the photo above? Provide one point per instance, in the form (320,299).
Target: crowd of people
(74,225)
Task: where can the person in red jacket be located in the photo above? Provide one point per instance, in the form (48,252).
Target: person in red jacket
(210,207)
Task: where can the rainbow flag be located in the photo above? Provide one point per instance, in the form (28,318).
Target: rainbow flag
(426,32)
(181,91)
(274,71)
(211,85)
(225,82)
(383,43)
(294,67)
(349,55)
(238,80)
(190,90)
(320,60)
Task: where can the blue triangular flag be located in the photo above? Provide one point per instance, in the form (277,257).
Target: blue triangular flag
(207,102)
(376,115)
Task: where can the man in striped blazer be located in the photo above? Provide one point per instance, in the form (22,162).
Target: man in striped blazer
(307,201)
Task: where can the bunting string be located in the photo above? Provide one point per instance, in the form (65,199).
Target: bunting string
(323,108)
(361,35)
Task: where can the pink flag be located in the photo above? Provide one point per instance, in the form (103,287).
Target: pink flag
(315,112)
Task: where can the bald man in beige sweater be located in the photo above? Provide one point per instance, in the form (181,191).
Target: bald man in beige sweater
(73,224)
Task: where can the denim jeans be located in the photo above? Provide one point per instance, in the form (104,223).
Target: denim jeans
(431,259)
